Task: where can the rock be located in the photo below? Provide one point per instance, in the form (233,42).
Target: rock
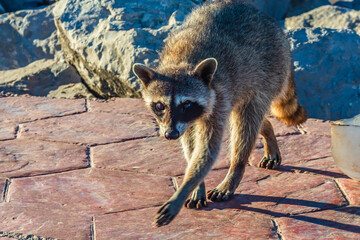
(332,17)
(276,9)
(298,7)
(71,90)
(2,10)
(38,78)
(12,6)
(326,65)
(353,4)
(102,39)
(31,61)
(27,36)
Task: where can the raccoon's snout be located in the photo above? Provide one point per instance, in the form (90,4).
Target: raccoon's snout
(172,134)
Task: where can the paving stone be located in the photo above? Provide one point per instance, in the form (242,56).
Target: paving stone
(297,148)
(32,157)
(275,193)
(91,191)
(119,106)
(43,220)
(338,224)
(7,131)
(317,127)
(151,155)
(90,128)
(321,166)
(351,189)
(24,109)
(189,224)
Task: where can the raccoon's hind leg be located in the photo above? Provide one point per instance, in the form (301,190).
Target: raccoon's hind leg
(245,122)
(198,196)
(272,157)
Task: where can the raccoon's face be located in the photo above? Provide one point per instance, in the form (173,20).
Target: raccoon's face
(178,99)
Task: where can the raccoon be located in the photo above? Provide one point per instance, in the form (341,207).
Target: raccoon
(229,64)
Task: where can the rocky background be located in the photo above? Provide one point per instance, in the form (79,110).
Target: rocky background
(85,48)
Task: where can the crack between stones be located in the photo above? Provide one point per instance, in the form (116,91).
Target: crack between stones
(6,190)
(132,209)
(51,172)
(91,145)
(92,229)
(23,236)
(86,105)
(174,183)
(18,131)
(120,141)
(136,172)
(51,117)
(319,210)
(342,191)
(277,230)
(90,156)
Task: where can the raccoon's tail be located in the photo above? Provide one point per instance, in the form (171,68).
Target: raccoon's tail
(286,106)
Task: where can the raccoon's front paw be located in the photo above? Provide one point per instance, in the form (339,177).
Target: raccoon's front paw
(196,203)
(219,194)
(270,161)
(166,213)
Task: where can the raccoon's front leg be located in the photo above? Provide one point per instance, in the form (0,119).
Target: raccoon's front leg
(245,121)
(207,146)
(198,197)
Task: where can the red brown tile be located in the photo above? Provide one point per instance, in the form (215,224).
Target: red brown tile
(91,191)
(33,157)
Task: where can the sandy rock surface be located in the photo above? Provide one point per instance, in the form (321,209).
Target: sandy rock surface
(31,60)
(103,39)
(326,64)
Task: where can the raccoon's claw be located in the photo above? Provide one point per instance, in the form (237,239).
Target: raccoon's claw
(166,214)
(198,204)
(270,162)
(216,195)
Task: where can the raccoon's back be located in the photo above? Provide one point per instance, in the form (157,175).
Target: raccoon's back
(220,28)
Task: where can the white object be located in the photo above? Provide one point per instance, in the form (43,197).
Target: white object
(345,145)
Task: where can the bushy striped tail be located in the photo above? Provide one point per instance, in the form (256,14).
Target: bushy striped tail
(286,106)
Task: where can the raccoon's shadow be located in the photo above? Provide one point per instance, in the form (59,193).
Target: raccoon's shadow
(244,202)
(287,168)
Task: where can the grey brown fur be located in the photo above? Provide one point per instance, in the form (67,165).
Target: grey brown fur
(228,63)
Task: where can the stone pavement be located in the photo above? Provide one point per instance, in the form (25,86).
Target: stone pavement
(79,169)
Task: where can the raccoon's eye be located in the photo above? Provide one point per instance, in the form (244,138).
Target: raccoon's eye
(187,104)
(159,107)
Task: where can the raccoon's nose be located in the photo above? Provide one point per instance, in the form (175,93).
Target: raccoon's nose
(172,135)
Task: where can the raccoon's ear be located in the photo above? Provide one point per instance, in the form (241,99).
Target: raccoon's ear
(144,73)
(206,69)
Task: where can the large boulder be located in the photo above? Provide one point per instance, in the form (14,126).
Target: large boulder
(2,10)
(27,36)
(102,39)
(298,7)
(327,75)
(31,61)
(332,17)
(275,8)
(12,6)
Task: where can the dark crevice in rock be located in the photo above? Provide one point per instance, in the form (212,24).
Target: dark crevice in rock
(112,87)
